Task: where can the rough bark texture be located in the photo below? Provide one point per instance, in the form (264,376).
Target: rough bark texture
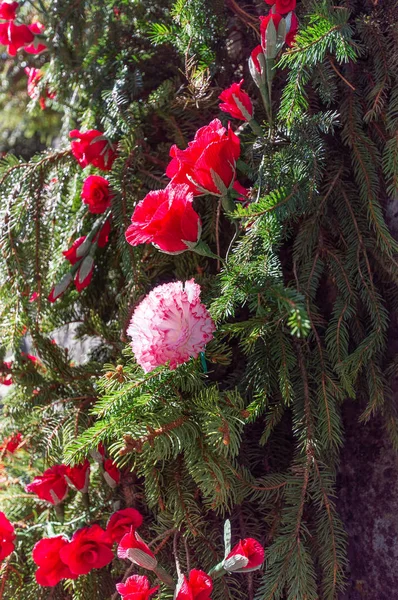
(368,504)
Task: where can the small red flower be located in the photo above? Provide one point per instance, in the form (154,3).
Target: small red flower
(52,569)
(37,29)
(96,194)
(33,297)
(71,254)
(291,35)
(198,587)
(91,148)
(136,587)
(84,274)
(264,22)
(12,443)
(121,522)
(257,65)
(34,76)
(99,454)
(111,473)
(133,547)
(166,219)
(102,237)
(282,6)
(79,476)
(50,486)
(236,102)
(15,36)
(247,555)
(87,550)
(208,165)
(60,288)
(7,537)
(8,10)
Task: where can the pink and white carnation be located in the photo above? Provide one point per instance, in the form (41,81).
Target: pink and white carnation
(170,325)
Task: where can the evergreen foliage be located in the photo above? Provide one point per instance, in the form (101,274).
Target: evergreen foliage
(251,431)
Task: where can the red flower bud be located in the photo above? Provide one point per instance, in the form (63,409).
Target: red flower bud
(291,29)
(92,148)
(96,194)
(52,569)
(73,254)
(50,486)
(276,18)
(102,237)
(79,476)
(133,547)
(257,66)
(248,555)
(198,587)
(60,287)
(282,6)
(236,102)
(84,273)
(12,443)
(166,219)
(7,537)
(136,587)
(111,473)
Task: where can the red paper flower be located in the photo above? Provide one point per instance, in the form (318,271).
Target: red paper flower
(121,522)
(257,65)
(91,148)
(34,76)
(207,166)
(60,288)
(291,35)
(15,36)
(111,473)
(88,549)
(71,254)
(198,587)
(264,22)
(50,486)
(8,10)
(133,547)
(79,476)
(136,587)
(283,6)
(96,194)
(166,219)
(98,454)
(236,102)
(36,28)
(102,237)
(7,537)
(46,555)
(248,555)
(84,274)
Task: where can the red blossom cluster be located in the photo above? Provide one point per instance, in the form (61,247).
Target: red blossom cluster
(16,36)
(52,485)
(89,148)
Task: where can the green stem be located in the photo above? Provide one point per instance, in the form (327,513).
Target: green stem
(165,577)
(256,128)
